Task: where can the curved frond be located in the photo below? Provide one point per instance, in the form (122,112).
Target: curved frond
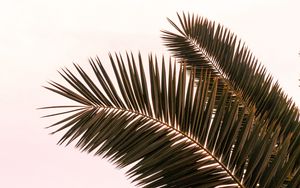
(204,44)
(201,43)
(174,134)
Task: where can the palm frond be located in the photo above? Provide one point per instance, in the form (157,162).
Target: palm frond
(174,134)
(204,44)
(201,43)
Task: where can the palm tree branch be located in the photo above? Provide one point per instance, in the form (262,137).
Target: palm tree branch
(113,122)
(203,44)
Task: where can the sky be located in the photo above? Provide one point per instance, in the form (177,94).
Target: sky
(38,37)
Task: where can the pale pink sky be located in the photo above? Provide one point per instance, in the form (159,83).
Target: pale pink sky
(39,37)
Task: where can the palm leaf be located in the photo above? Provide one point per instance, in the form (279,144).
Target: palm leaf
(204,44)
(173,133)
(201,43)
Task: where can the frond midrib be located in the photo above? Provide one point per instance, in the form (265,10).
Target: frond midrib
(202,147)
(222,75)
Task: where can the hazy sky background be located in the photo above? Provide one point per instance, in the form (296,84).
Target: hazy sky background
(37,38)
